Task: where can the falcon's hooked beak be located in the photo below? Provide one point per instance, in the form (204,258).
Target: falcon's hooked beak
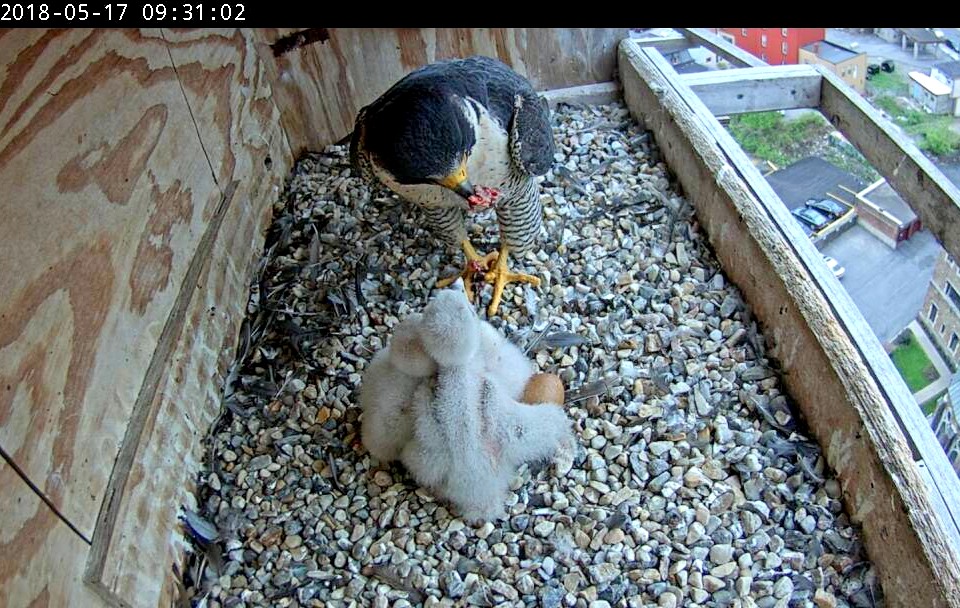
(458,182)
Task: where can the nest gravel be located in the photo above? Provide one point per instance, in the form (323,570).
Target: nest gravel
(694,483)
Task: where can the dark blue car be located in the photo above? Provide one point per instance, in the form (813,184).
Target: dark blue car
(828,207)
(811,217)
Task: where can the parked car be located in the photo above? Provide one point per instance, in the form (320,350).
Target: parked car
(814,218)
(828,207)
(834,265)
(807,230)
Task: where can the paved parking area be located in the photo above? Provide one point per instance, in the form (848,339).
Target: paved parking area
(876,47)
(887,285)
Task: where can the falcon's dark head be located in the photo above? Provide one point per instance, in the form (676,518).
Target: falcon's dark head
(421,136)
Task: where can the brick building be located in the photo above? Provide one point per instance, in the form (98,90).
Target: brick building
(945,422)
(775,45)
(885,215)
(940,314)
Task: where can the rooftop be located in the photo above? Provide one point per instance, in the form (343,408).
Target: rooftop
(919,34)
(830,51)
(930,83)
(812,177)
(881,194)
(950,68)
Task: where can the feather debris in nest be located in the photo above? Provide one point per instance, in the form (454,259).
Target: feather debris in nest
(593,389)
(389,576)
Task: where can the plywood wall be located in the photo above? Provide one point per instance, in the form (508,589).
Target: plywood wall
(138,171)
(320,87)
(136,189)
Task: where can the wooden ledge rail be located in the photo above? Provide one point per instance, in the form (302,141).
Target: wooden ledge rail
(834,367)
(742,90)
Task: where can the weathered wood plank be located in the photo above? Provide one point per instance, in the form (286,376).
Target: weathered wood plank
(104,203)
(41,559)
(670,43)
(742,90)
(138,536)
(732,53)
(600,93)
(320,87)
(828,373)
(934,198)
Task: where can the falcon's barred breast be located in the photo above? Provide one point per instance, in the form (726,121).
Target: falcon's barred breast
(450,132)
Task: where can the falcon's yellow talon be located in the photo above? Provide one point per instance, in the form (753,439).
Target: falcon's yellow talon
(474,267)
(500,275)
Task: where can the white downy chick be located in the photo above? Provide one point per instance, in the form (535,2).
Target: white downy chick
(504,361)
(387,388)
(469,434)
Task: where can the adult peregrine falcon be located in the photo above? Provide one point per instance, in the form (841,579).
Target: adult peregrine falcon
(457,136)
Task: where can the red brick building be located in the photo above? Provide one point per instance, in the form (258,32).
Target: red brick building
(775,45)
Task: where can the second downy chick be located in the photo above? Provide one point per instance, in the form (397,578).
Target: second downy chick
(469,433)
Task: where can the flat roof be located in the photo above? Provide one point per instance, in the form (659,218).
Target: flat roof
(950,68)
(830,51)
(812,177)
(919,34)
(885,197)
(930,83)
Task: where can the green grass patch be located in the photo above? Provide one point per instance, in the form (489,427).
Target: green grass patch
(931,404)
(888,84)
(912,363)
(767,135)
(933,131)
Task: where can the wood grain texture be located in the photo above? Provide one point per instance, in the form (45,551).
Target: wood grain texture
(41,559)
(230,100)
(767,256)
(320,87)
(106,194)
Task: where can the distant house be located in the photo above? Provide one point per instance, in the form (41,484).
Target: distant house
(948,73)
(775,45)
(940,314)
(930,93)
(885,215)
(846,63)
(945,422)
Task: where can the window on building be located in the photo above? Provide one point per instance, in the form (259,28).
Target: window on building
(942,327)
(952,294)
(783,47)
(953,341)
(934,311)
(783,32)
(763,40)
(743,32)
(763,56)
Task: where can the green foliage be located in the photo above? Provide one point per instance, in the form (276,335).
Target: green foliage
(888,84)
(931,404)
(934,132)
(769,136)
(913,364)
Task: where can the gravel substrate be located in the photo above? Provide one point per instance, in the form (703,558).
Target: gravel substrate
(693,484)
